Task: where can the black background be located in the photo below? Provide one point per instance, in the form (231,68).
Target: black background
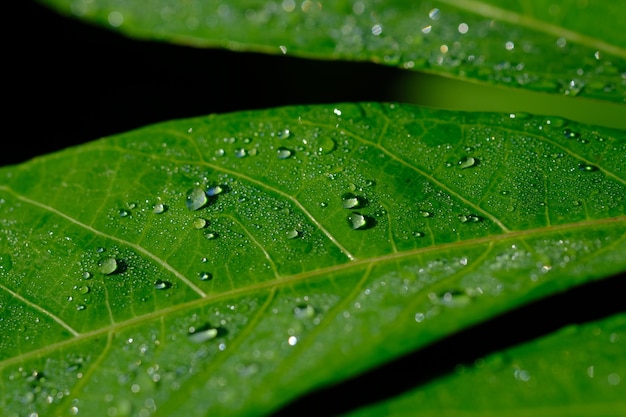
(69,82)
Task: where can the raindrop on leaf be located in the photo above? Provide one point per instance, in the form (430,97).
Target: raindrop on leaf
(196,199)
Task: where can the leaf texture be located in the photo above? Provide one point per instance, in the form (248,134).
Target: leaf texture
(225,265)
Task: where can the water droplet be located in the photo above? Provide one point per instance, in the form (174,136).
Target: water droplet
(470,218)
(203,334)
(358,221)
(352,201)
(159,208)
(434,14)
(304,311)
(124,213)
(556,122)
(292,234)
(196,199)
(425,213)
(468,162)
(326,145)
(284,153)
(419,234)
(454,298)
(292,340)
(570,134)
(159,284)
(81,307)
(283,134)
(214,190)
(200,223)
(83,289)
(6,264)
(587,167)
(108,266)
(211,235)
(87,275)
(205,276)
(419,317)
(241,153)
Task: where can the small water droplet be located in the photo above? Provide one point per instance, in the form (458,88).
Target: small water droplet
(160,284)
(81,307)
(470,218)
(196,199)
(352,201)
(358,221)
(419,317)
(419,234)
(83,289)
(87,275)
(200,223)
(284,153)
(283,134)
(587,167)
(241,153)
(570,134)
(108,266)
(556,122)
(205,276)
(124,213)
(425,213)
(454,298)
(203,334)
(159,208)
(214,190)
(292,340)
(211,235)
(468,162)
(304,311)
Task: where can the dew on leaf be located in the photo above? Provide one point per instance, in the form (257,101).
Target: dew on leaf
(241,153)
(159,208)
(292,234)
(570,134)
(196,199)
(304,311)
(283,134)
(284,153)
(470,218)
(87,275)
(203,334)
(419,234)
(452,298)
(468,162)
(108,266)
(556,122)
(419,317)
(81,307)
(205,276)
(211,235)
(326,145)
(351,201)
(425,213)
(214,190)
(160,284)
(124,213)
(292,340)
(83,289)
(199,223)
(358,221)
(587,167)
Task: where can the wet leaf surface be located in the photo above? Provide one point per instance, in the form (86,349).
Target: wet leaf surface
(225,265)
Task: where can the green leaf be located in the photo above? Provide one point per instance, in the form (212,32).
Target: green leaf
(578,371)
(570,49)
(329,240)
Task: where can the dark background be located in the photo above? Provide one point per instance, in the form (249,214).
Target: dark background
(69,82)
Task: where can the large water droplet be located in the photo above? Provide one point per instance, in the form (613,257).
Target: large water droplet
(159,208)
(160,284)
(358,221)
(284,153)
(200,223)
(205,276)
(292,234)
(211,235)
(468,162)
(587,167)
(203,334)
(196,199)
(352,201)
(108,266)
